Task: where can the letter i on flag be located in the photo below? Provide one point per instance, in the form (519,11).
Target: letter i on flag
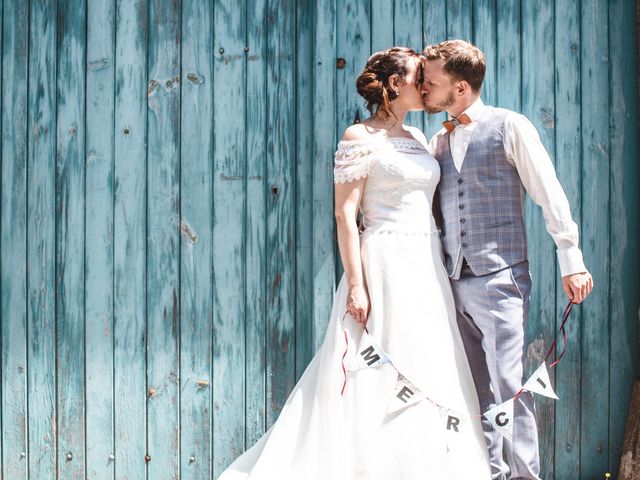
(501,417)
(540,383)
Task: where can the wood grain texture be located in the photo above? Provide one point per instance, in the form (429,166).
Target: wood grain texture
(486,39)
(13,235)
(568,166)
(129,240)
(255,223)
(70,238)
(459,19)
(624,241)
(196,227)
(163,239)
(304,186)
(324,253)
(229,234)
(41,259)
(280,230)
(99,238)
(538,105)
(594,79)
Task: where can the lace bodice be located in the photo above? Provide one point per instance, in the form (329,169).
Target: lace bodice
(401,180)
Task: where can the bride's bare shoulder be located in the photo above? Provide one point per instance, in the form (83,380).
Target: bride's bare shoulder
(356,132)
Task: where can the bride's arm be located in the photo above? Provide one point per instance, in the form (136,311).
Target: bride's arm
(347,202)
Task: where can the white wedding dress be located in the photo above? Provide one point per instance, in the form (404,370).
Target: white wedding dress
(325,433)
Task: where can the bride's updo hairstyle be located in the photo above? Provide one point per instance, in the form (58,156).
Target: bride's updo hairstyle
(373,82)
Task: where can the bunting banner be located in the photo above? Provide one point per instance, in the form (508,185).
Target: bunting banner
(501,417)
(405,394)
(540,383)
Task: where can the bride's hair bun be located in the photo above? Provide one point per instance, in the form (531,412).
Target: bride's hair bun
(373,82)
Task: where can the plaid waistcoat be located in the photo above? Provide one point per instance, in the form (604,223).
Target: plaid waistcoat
(482,205)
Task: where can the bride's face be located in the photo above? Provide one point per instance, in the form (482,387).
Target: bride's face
(410,95)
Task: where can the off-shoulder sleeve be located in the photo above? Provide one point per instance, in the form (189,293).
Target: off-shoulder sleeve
(352,161)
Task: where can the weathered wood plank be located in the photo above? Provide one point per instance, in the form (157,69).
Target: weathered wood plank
(41,261)
(508,55)
(99,238)
(353,38)
(70,231)
(485,38)
(129,240)
(255,233)
(434,31)
(304,186)
(459,15)
(229,234)
(538,106)
(280,247)
(13,239)
(407,21)
(568,161)
(624,247)
(196,228)
(381,29)
(163,239)
(630,461)
(594,431)
(324,144)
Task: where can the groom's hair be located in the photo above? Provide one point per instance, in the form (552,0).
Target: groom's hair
(462,61)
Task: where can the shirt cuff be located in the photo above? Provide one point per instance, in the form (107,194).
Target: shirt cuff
(571,261)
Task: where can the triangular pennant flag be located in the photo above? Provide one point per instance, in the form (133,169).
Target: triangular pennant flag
(501,417)
(404,395)
(369,354)
(540,383)
(454,423)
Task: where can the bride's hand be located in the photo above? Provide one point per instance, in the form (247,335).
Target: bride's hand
(358,304)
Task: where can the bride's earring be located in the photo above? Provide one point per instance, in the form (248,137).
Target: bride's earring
(398,93)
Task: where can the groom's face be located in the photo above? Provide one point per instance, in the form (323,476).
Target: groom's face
(437,87)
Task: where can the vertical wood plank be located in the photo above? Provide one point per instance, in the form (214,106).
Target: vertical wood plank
(196,229)
(381,30)
(407,22)
(508,55)
(70,232)
(538,106)
(568,161)
(13,238)
(352,43)
(624,248)
(229,234)
(255,225)
(163,240)
(324,145)
(41,226)
(99,238)
(484,37)
(595,64)
(280,266)
(304,186)
(129,240)
(434,31)
(459,15)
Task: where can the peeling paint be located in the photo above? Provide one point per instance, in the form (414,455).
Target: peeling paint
(230,177)
(187,232)
(99,64)
(195,78)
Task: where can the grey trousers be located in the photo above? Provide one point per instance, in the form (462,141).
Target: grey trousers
(492,313)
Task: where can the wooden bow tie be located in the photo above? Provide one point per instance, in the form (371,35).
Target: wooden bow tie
(454,122)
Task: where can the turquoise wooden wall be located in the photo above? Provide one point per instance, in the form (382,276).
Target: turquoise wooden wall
(168,255)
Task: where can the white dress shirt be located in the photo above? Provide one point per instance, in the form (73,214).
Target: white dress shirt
(525,151)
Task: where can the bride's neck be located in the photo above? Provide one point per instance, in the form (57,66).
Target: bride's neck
(390,124)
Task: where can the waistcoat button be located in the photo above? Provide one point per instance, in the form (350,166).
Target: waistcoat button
(460,207)
(462,220)
(460,194)
(460,180)
(464,245)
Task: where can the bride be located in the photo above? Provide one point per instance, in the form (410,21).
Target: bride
(345,420)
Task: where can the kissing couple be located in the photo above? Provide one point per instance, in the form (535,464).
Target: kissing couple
(427,328)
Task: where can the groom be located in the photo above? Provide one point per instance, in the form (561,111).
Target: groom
(488,157)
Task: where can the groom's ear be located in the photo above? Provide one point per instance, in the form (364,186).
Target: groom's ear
(463,88)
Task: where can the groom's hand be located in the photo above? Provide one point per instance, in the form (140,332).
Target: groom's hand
(577,286)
